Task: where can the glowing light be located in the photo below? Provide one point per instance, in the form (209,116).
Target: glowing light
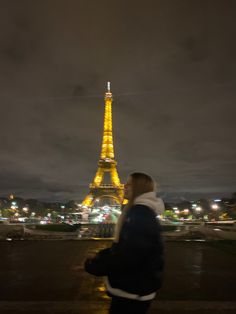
(214,206)
(106,161)
(198,209)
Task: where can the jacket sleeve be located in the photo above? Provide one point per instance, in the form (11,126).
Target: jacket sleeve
(98,265)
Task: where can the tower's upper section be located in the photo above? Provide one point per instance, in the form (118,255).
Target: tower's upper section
(108,94)
(107,151)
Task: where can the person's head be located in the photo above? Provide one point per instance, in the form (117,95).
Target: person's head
(137,184)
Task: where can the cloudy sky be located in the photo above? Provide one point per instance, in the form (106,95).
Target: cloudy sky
(172,66)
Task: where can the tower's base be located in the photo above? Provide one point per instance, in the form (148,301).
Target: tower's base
(105,194)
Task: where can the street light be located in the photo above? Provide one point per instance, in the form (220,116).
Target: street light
(25,209)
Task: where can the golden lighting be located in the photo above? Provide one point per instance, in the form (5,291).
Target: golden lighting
(107,162)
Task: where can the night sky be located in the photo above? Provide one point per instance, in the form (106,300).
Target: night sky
(172,67)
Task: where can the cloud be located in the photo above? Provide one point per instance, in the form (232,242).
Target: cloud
(172,68)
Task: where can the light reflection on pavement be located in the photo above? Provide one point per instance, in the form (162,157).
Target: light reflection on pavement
(49,271)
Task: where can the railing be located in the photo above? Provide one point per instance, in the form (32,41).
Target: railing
(97,230)
(104,186)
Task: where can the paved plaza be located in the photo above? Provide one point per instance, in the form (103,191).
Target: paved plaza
(48,277)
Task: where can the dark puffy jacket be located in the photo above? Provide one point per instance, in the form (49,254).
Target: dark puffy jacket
(135,264)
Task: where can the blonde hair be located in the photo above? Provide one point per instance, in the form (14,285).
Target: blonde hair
(141,183)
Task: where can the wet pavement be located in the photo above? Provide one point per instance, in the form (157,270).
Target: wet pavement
(47,276)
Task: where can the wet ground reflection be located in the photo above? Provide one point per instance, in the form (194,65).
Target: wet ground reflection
(53,270)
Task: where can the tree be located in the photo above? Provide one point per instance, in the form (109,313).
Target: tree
(71,206)
(234,197)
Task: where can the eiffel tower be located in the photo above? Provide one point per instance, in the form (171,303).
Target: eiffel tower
(113,191)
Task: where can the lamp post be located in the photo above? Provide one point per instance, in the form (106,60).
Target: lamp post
(215,211)
(198,211)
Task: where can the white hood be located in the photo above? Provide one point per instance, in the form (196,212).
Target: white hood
(149,199)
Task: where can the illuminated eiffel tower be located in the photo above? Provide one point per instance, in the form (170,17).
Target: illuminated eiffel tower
(113,191)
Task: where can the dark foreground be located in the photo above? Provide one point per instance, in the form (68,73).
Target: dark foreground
(47,277)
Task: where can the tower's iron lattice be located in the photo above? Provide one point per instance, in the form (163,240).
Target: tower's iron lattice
(112,190)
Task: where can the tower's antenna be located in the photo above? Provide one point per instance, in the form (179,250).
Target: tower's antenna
(108,87)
